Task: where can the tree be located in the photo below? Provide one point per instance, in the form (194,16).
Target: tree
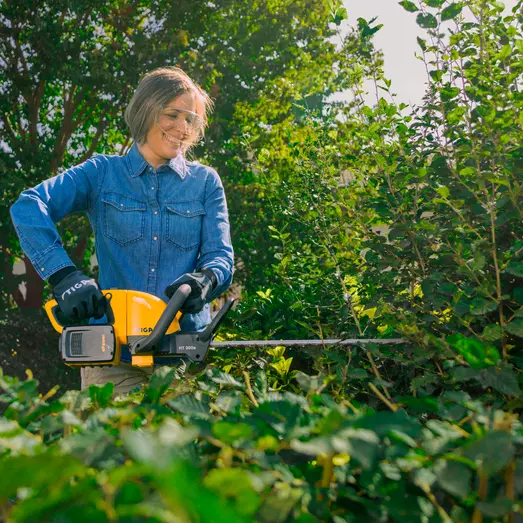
(69,69)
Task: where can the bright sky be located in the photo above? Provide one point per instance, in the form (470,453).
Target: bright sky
(397,40)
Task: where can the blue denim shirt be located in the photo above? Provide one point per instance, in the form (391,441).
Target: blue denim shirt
(150,226)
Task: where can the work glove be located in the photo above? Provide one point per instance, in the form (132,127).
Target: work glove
(202,284)
(79,297)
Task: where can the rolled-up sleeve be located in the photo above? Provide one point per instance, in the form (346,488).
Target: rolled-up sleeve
(216,251)
(37,210)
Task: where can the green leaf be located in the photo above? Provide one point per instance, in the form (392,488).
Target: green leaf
(467,171)
(158,384)
(357,374)
(447,288)
(492,452)
(231,432)
(383,422)
(453,477)
(435,3)
(409,6)
(182,487)
(90,446)
(424,478)
(427,21)
(283,416)
(339,15)
(35,472)
(492,333)
(515,327)
(517,293)
(502,379)
(308,383)
(314,446)
(16,439)
(448,93)
(362,445)
(225,379)
(101,394)
(495,509)
(234,485)
(479,261)
(189,405)
(505,52)
(515,268)
(436,75)
(264,155)
(451,11)
(422,43)
(260,385)
(443,191)
(229,401)
(481,306)
(477,354)
(463,373)
(420,405)
(442,434)
(282,366)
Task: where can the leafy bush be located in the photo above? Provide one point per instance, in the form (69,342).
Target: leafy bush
(216,446)
(386,223)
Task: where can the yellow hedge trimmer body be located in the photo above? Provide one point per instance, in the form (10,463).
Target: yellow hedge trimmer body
(139,323)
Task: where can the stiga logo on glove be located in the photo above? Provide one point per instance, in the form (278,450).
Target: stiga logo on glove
(76,286)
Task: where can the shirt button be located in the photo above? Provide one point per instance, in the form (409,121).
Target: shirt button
(188,212)
(152,270)
(152,188)
(155,212)
(42,269)
(121,205)
(155,238)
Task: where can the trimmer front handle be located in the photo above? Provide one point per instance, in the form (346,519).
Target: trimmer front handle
(193,345)
(151,343)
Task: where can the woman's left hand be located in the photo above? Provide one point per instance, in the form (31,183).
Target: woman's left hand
(202,284)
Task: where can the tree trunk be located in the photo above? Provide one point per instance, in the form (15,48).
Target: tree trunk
(35,288)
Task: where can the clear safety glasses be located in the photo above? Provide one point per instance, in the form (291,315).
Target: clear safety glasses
(176,123)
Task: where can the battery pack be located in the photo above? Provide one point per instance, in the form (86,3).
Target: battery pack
(89,345)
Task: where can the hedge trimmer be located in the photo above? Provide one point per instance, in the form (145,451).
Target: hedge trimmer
(145,326)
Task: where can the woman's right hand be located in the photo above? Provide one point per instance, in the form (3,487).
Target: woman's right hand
(79,297)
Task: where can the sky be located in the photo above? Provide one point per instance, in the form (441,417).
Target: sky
(397,40)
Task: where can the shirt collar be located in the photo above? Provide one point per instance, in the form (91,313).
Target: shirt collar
(137,163)
(179,165)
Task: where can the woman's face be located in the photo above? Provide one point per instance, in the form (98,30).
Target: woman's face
(176,127)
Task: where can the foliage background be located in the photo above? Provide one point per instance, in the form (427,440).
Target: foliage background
(350,220)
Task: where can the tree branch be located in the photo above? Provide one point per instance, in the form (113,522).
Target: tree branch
(7,125)
(99,132)
(34,110)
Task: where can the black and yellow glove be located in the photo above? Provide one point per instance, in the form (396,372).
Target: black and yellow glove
(79,296)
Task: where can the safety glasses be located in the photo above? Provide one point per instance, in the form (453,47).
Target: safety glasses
(174,121)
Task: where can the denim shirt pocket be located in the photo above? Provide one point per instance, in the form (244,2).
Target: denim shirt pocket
(123,218)
(184,223)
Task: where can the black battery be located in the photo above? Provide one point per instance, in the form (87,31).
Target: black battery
(88,345)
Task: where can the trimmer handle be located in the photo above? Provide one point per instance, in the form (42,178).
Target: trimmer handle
(210,331)
(152,342)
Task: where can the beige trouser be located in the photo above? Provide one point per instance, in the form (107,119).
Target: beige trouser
(124,376)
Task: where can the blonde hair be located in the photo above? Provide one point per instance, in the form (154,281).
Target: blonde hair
(155,90)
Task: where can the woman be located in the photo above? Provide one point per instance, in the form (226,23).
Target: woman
(159,220)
